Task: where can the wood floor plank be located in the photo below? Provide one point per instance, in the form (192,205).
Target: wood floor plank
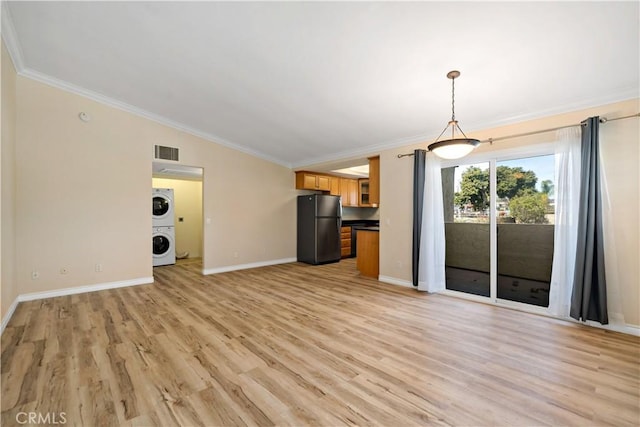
(298,345)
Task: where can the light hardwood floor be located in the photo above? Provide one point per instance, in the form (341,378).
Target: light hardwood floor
(302,345)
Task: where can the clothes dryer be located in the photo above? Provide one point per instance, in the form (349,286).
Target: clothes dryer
(163,207)
(164,246)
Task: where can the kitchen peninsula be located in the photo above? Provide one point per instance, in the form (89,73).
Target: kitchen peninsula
(349,234)
(367,261)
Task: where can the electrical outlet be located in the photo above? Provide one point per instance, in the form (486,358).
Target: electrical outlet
(235,254)
(35,275)
(98,268)
(64,270)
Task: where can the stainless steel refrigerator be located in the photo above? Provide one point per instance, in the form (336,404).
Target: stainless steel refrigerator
(319,222)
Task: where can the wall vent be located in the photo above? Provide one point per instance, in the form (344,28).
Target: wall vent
(166,153)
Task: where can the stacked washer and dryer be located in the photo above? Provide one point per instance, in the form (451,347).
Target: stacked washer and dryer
(164,236)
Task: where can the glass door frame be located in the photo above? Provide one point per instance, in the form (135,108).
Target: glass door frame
(493,157)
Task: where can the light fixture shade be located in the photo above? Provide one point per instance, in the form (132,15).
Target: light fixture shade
(453,148)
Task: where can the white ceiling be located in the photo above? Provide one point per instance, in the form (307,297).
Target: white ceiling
(299,83)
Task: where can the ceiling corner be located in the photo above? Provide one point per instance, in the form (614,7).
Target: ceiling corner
(10,38)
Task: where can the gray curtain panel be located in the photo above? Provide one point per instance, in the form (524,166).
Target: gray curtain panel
(419,157)
(589,298)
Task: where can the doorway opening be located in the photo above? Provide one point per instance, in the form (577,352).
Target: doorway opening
(183,239)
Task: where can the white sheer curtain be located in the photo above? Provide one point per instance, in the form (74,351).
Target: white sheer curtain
(567,195)
(431,275)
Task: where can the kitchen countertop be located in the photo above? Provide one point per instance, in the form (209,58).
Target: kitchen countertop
(360,222)
(365,228)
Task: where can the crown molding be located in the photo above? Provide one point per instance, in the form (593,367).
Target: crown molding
(365,151)
(11,38)
(622,95)
(13,46)
(619,96)
(123,106)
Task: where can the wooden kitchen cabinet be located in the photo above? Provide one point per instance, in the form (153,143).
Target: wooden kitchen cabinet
(369,188)
(345,240)
(312,181)
(335,186)
(363,193)
(354,192)
(349,192)
(374,181)
(367,258)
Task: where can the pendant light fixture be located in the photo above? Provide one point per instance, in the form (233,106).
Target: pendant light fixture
(453,148)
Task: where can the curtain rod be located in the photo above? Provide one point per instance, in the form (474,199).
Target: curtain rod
(535,132)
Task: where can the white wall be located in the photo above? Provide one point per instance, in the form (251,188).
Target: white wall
(83,191)
(7,200)
(620,150)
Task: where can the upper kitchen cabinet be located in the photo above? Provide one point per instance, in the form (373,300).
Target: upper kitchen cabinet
(369,189)
(335,187)
(349,192)
(363,193)
(374,181)
(312,181)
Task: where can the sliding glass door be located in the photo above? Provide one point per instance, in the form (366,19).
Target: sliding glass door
(499,217)
(525,213)
(467,199)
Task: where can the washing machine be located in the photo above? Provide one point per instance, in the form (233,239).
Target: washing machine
(163,211)
(164,246)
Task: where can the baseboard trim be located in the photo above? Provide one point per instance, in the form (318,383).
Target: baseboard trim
(7,316)
(32,296)
(228,268)
(82,289)
(394,281)
(622,328)
(625,329)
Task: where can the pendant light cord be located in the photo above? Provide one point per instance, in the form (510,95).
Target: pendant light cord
(454,125)
(453,99)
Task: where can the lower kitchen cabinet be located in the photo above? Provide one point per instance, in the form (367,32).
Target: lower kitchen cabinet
(367,261)
(345,239)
